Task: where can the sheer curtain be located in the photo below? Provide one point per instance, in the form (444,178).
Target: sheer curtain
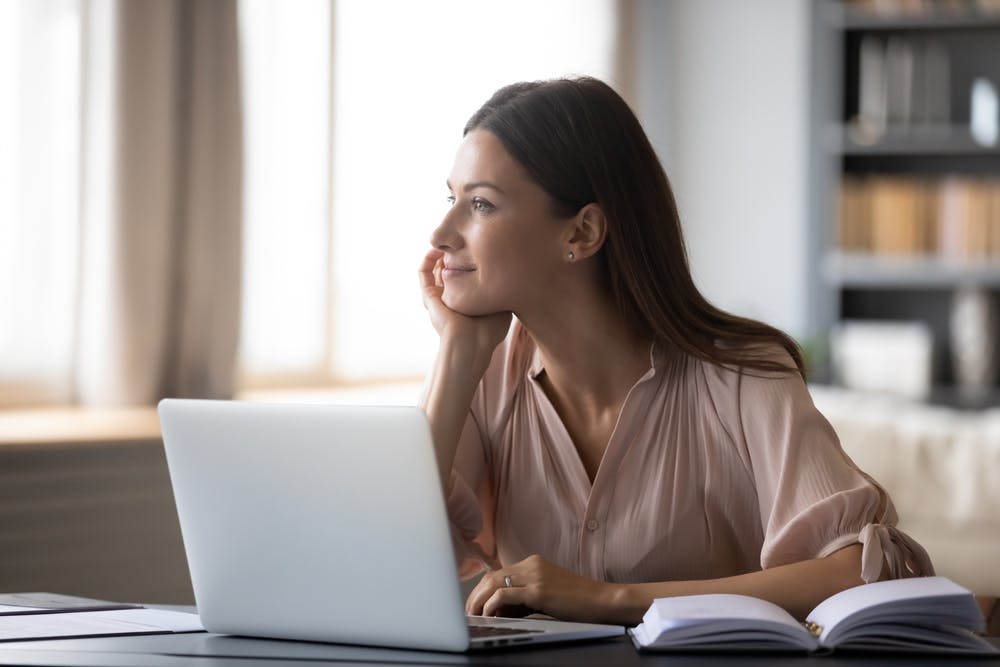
(40,89)
(134,263)
(161,215)
(286,57)
(121,201)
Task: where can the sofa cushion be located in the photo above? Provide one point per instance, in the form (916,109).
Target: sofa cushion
(942,468)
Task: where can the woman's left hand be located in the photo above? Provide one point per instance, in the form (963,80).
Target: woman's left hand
(543,588)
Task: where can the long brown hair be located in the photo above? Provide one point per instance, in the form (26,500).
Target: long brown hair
(581,142)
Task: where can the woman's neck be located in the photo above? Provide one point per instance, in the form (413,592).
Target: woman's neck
(591,357)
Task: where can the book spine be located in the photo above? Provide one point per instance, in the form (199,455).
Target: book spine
(954,218)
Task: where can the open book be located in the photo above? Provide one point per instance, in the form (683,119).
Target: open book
(919,615)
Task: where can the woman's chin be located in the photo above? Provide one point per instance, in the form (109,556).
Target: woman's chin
(465,306)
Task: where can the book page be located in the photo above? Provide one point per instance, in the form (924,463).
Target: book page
(670,611)
(915,600)
(917,639)
(717,619)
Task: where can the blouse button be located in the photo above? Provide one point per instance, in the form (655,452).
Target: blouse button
(592,525)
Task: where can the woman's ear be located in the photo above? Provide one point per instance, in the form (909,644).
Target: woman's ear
(585,233)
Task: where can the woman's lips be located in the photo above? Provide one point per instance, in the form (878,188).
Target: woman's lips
(456,271)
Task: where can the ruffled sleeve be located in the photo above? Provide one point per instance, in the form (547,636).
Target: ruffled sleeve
(471,500)
(813,499)
(470,503)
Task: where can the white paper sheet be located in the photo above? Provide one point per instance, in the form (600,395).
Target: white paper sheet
(84,623)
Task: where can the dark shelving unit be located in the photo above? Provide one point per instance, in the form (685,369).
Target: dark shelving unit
(930,143)
(855,271)
(852,286)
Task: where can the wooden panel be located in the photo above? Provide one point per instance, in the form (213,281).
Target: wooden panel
(93,519)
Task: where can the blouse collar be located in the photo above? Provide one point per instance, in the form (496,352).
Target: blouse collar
(657,357)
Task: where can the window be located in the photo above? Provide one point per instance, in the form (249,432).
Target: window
(337,223)
(352,112)
(285,57)
(40,117)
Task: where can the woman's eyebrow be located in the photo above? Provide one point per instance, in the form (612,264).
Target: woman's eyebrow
(477,184)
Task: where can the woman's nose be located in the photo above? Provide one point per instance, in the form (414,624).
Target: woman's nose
(446,235)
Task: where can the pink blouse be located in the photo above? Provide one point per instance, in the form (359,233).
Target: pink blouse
(709,473)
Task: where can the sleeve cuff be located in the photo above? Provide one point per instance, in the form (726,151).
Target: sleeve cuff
(884,544)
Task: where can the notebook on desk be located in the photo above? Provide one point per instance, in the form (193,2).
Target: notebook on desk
(325,523)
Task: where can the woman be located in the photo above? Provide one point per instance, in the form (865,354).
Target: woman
(622,439)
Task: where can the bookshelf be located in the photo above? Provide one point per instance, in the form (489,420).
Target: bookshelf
(951,141)
(905,172)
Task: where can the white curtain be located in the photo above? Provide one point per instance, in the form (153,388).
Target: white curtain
(39,195)
(160,201)
(149,278)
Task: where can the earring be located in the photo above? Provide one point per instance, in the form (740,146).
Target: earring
(570,256)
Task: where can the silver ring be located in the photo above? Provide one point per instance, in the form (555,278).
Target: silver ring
(506,581)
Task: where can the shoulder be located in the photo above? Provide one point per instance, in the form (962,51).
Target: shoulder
(760,363)
(748,392)
(768,414)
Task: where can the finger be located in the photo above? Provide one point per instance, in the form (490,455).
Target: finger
(482,591)
(505,597)
(428,267)
(497,579)
(477,598)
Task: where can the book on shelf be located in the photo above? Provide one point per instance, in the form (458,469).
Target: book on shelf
(854,230)
(924,615)
(966,219)
(899,214)
(923,8)
(956,218)
(994,250)
(903,87)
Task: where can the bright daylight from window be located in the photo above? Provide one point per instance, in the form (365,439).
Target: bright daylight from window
(352,113)
(39,197)
(330,276)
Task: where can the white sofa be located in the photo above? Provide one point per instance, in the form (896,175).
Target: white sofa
(942,468)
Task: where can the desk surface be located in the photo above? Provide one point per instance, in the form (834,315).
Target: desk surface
(204,650)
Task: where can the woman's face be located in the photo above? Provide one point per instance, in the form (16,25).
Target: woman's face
(501,239)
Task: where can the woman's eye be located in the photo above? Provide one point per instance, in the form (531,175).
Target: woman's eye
(481,205)
(451,199)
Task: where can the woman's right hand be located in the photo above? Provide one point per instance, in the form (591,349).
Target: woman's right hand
(467,345)
(483,332)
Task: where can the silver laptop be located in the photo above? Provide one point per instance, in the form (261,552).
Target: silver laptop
(325,523)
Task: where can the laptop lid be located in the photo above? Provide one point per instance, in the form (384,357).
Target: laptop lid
(323,523)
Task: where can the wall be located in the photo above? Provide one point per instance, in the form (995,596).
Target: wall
(95,519)
(722,89)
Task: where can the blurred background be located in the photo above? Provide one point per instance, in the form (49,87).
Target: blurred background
(229,199)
